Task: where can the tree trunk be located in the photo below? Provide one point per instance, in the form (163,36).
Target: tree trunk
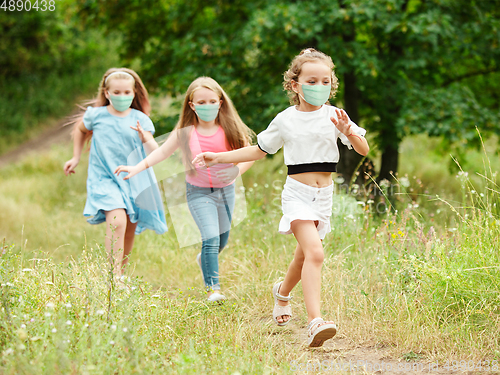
(390,160)
(349,159)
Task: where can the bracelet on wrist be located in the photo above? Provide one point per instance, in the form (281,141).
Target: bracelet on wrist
(354,135)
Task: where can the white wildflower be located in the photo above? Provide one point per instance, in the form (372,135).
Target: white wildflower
(339,180)
(404,181)
(385,183)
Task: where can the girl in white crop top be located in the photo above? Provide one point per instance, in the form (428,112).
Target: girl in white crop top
(308,131)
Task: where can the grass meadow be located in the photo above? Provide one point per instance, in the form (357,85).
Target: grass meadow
(422,279)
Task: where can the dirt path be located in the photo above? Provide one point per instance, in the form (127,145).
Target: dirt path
(343,356)
(53,135)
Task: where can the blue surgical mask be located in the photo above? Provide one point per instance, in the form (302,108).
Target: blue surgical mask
(121,102)
(316,94)
(207,112)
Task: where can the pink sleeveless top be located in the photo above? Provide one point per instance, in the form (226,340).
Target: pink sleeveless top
(207,177)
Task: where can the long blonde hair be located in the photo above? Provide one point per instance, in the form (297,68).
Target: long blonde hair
(293,72)
(238,135)
(140,102)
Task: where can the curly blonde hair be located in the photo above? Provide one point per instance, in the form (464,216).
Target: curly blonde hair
(293,72)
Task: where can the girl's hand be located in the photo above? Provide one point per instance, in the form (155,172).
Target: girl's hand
(142,134)
(342,122)
(70,165)
(205,159)
(227,175)
(132,171)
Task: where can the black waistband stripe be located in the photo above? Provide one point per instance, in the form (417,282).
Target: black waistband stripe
(312,167)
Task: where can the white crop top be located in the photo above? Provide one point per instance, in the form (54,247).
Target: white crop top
(309,139)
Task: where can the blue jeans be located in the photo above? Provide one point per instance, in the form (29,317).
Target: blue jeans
(212,210)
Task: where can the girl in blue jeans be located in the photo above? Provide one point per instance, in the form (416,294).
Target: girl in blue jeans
(212,210)
(208,122)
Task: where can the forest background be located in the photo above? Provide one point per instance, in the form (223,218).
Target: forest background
(420,75)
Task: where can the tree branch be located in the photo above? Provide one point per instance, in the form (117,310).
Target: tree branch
(471,74)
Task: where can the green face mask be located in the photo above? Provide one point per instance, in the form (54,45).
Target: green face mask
(316,94)
(121,102)
(207,112)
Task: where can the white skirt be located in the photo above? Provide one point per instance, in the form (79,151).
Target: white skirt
(303,202)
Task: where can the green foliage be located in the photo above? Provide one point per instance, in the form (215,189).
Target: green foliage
(393,54)
(48,62)
(38,41)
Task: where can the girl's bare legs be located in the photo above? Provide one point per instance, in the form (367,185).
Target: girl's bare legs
(116,225)
(128,243)
(306,266)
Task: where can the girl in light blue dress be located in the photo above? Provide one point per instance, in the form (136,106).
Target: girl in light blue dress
(120,133)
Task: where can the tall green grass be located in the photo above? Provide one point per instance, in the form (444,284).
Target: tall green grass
(423,283)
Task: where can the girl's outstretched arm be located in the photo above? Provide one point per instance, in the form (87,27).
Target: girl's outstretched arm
(241,155)
(160,154)
(78,143)
(342,123)
(228,175)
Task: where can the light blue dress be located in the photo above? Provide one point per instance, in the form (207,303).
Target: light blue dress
(114,143)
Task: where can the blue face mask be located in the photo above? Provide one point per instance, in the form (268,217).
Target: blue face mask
(121,102)
(316,94)
(207,112)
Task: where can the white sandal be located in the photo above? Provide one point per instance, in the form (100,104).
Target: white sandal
(281,310)
(216,297)
(318,331)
